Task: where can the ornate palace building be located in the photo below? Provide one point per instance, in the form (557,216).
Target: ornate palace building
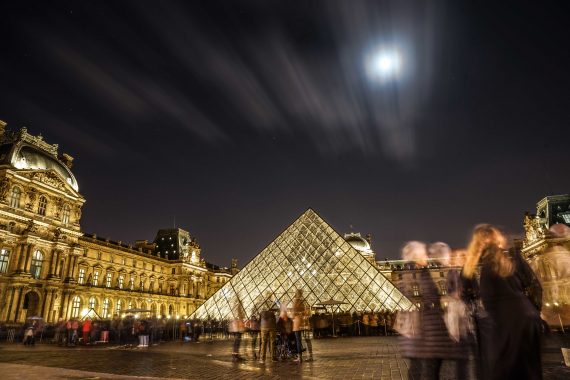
(50,268)
(546,246)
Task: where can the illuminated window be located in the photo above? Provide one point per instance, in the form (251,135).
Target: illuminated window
(121,281)
(81,278)
(92,303)
(96,278)
(4,256)
(15,197)
(66,213)
(151,286)
(42,205)
(105,311)
(443,288)
(416,290)
(132,283)
(75,306)
(109,280)
(119,307)
(36,266)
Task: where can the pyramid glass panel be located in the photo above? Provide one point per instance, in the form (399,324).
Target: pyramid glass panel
(309,255)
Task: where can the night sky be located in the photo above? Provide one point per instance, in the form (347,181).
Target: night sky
(231,118)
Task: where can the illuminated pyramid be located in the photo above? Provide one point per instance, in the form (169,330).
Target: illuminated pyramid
(311,256)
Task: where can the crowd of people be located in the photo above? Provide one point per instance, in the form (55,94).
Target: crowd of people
(492,316)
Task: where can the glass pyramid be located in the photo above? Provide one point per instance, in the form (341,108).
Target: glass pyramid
(311,256)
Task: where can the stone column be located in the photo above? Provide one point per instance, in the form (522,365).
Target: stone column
(29,254)
(21,257)
(10,302)
(15,259)
(18,303)
(73,266)
(51,263)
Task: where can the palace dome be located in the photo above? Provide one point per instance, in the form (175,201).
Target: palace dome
(357,242)
(21,153)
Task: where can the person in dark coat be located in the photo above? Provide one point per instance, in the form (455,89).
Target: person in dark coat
(431,344)
(508,324)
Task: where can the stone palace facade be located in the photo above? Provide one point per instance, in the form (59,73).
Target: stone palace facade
(49,268)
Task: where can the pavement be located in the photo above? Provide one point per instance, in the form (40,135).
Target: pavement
(340,358)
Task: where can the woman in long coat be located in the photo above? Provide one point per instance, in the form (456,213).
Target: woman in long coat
(508,324)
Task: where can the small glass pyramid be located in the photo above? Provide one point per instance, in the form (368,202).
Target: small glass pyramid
(311,256)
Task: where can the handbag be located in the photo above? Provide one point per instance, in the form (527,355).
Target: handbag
(457,320)
(407,323)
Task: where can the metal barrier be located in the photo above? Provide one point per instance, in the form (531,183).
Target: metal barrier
(11,335)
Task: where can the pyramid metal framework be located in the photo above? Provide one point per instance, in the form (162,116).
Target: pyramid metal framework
(309,255)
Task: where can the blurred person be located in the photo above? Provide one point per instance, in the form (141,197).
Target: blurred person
(461,334)
(301,312)
(86,329)
(268,326)
(237,327)
(284,327)
(254,327)
(508,324)
(431,345)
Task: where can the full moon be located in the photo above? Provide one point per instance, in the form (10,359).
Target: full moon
(383,64)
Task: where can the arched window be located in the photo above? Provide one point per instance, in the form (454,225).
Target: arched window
(36,266)
(81,276)
(65,214)
(75,306)
(92,303)
(109,280)
(15,197)
(95,278)
(119,307)
(4,256)
(42,205)
(105,311)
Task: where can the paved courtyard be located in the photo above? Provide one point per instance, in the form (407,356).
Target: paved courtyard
(342,358)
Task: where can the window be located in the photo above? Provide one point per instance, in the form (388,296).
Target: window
(443,288)
(415,290)
(81,278)
(92,303)
(132,283)
(141,286)
(109,280)
(173,270)
(4,256)
(96,278)
(130,305)
(414,276)
(151,286)
(75,305)
(42,205)
(66,213)
(121,281)
(441,274)
(105,311)
(119,307)
(15,197)
(36,266)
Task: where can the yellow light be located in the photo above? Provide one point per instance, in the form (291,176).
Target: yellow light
(84,312)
